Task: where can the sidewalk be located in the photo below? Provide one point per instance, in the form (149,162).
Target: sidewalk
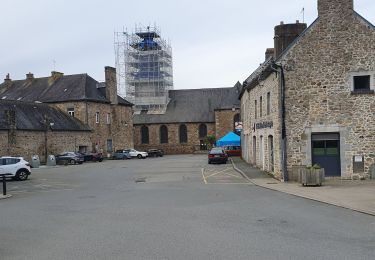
(351,194)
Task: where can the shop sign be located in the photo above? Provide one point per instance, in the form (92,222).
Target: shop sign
(262,125)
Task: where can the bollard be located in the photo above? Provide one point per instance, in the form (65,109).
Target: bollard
(4,186)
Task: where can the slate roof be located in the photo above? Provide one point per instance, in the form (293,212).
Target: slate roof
(193,105)
(66,88)
(31,116)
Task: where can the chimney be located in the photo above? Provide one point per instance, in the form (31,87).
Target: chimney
(29,76)
(111,84)
(269,53)
(285,34)
(7,80)
(329,8)
(56,75)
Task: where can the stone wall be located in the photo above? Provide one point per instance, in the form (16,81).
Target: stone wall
(224,121)
(28,143)
(318,76)
(254,116)
(119,129)
(173,146)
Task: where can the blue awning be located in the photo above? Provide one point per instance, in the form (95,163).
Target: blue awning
(229,139)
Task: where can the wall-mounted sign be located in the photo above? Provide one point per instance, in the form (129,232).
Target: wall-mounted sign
(238,126)
(358,158)
(262,125)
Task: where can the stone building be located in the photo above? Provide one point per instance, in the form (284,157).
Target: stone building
(313,101)
(191,115)
(29,128)
(95,104)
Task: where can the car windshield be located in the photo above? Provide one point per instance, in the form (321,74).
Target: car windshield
(216,151)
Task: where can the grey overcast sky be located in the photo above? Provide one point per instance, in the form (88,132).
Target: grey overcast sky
(215,42)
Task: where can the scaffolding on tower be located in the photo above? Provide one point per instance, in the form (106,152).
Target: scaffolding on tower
(144,68)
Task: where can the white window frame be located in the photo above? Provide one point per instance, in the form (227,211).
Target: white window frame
(97,117)
(362,73)
(109,118)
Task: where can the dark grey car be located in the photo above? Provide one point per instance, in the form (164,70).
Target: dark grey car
(121,154)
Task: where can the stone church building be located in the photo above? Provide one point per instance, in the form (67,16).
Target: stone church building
(191,115)
(312,101)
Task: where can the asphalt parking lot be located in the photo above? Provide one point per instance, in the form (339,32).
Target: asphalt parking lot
(174,207)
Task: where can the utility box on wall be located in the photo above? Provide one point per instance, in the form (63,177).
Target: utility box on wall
(358,164)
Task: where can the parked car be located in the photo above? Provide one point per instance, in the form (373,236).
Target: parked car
(138,154)
(155,153)
(69,158)
(95,157)
(16,167)
(233,150)
(121,154)
(217,155)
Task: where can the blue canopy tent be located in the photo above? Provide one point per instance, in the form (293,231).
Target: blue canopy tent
(229,139)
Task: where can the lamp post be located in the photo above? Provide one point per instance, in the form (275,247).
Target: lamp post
(47,124)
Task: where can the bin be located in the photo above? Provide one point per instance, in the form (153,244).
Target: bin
(35,161)
(51,160)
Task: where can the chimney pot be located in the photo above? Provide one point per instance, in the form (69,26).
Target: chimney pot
(282,22)
(7,79)
(297,21)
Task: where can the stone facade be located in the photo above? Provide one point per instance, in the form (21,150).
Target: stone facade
(224,121)
(260,139)
(29,143)
(318,70)
(318,83)
(173,146)
(115,126)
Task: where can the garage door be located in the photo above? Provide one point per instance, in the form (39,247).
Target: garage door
(326,152)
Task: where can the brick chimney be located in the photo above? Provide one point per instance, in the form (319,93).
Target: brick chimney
(285,34)
(7,80)
(269,53)
(29,76)
(111,84)
(327,8)
(55,75)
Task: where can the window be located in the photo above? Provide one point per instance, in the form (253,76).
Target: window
(268,103)
(260,106)
(361,82)
(108,118)
(71,111)
(202,131)
(256,109)
(183,134)
(109,145)
(145,138)
(97,117)
(163,134)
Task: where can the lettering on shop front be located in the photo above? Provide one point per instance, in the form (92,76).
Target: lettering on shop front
(262,125)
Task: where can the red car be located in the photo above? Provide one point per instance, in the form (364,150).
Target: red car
(217,155)
(233,150)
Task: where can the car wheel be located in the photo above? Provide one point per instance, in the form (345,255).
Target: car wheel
(22,175)
(139,156)
(209,162)
(72,162)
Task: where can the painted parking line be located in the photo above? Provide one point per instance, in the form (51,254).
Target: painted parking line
(222,175)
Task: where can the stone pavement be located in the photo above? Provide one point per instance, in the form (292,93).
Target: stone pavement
(351,194)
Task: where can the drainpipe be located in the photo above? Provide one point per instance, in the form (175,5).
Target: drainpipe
(279,69)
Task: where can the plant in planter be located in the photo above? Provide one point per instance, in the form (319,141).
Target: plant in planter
(312,175)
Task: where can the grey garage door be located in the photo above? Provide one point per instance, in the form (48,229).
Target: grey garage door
(326,152)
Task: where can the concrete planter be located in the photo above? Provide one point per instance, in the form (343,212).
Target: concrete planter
(313,177)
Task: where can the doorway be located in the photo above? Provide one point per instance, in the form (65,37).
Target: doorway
(326,152)
(270,154)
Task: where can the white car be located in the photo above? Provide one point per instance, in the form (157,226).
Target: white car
(138,154)
(16,167)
